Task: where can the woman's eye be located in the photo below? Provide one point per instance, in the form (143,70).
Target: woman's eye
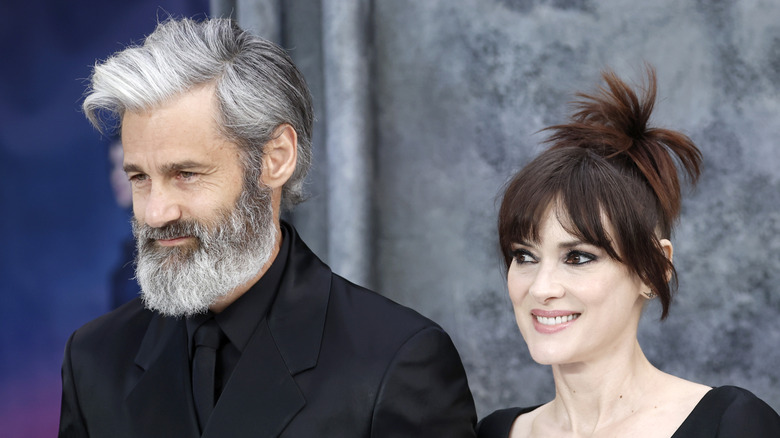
(522,256)
(579,258)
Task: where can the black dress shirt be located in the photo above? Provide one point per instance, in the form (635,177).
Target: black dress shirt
(240,319)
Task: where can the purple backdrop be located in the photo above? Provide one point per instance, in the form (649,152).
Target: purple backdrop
(61,231)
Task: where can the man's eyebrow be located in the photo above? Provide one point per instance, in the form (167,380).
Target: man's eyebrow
(165,168)
(130,167)
(181,165)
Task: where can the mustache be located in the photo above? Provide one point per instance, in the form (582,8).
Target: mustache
(180,228)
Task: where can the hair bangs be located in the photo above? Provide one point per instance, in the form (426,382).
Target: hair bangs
(583,202)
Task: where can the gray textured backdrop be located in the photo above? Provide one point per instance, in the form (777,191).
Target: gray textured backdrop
(439,102)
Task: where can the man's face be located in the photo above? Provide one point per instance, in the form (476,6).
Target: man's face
(179,165)
(201,232)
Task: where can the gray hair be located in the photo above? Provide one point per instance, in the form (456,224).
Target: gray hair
(258,87)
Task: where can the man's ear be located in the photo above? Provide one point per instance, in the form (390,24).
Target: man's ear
(279,157)
(668,249)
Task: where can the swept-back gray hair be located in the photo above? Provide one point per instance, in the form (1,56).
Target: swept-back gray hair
(257,87)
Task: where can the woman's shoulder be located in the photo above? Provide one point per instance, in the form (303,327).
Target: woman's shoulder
(731,411)
(499,423)
(735,400)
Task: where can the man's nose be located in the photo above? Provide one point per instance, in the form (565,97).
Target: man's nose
(162,207)
(546,284)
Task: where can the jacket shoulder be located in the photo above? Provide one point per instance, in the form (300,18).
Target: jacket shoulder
(122,326)
(369,309)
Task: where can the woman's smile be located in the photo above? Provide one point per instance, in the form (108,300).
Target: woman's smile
(548,322)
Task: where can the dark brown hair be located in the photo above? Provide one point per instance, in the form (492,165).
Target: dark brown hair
(607,161)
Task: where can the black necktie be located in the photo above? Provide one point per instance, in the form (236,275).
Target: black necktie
(207,339)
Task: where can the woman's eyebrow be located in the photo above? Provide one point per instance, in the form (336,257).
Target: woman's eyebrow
(569,244)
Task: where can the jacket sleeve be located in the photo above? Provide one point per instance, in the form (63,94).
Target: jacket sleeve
(71,420)
(424,392)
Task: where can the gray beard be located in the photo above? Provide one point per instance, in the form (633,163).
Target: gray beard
(186,280)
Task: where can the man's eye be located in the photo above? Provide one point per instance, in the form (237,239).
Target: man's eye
(579,258)
(522,256)
(186,175)
(138,177)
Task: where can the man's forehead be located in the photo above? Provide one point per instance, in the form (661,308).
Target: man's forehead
(188,123)
(198,101)
(178,152)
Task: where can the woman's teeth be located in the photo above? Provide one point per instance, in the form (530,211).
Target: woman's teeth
(556,320)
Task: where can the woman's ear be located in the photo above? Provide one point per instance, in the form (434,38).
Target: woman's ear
(280,155)
(668,249)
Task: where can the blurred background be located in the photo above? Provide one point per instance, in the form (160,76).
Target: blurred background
(424,110)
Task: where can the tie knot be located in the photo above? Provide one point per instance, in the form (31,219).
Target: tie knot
(208,335)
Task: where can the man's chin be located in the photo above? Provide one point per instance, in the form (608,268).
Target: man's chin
(176,285)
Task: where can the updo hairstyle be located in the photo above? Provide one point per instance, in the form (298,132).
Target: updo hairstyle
(608,163)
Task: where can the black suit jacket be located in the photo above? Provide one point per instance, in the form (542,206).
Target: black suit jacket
(331,360)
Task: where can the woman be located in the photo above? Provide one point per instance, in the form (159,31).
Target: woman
(584,230)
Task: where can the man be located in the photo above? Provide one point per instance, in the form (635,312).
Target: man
(240,329)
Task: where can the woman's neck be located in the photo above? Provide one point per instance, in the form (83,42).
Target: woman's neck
(593,395)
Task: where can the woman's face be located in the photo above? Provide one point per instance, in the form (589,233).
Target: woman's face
(572,302)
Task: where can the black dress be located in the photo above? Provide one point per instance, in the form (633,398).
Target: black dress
(724,412)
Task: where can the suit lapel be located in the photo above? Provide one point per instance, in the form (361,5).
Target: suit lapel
(261,397)
(297,318)
(160,404)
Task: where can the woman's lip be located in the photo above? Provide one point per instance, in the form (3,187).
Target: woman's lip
(552,313)
(173,242)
